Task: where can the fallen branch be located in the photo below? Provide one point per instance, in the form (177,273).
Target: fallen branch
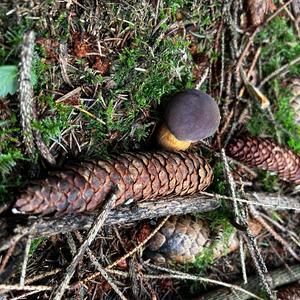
(127,213)
(144,210)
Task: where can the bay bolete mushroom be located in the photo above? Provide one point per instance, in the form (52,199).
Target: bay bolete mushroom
(190,116)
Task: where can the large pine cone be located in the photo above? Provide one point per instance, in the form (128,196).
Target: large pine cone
(182,239)
(290,292)
(267,155)
(138,176)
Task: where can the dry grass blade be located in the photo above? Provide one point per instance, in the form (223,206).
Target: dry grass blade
(41,276)
(105,275)
(25,261)
(275,234)
(24,296)
(140,245)
(185,276)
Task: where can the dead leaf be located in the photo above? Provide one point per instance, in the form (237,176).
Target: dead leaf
(80,45)
(258,95)
(101,65)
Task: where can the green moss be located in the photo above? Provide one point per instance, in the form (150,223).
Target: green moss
(10,155)
(280,46)
(144,71)
(206,257)
(145,79)
(221,229)
(35,244)
(219,184)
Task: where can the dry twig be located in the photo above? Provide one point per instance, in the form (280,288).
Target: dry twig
(185,276)
(105,275)
(272,231)
(16,287)
(90,237)
(140,245)
(240,215)
(25,261)
(148,210)
(278,277)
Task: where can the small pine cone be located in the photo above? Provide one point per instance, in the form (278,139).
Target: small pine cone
(179,240)
(267,155)
(138,176)
(290,292)
(182,239)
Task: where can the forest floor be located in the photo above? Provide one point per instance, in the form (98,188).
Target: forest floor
(102,72)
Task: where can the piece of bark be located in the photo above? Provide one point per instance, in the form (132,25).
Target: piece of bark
(290,292)
(48,226)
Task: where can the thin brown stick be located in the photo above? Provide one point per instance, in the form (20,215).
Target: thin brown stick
(7,256)
(41,276)
(253,64)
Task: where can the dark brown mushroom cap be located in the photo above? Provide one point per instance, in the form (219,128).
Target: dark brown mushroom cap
(192,115)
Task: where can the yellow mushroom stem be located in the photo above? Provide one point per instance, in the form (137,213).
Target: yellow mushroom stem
(168,141)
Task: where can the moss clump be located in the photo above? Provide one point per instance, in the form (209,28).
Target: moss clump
(280,46)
